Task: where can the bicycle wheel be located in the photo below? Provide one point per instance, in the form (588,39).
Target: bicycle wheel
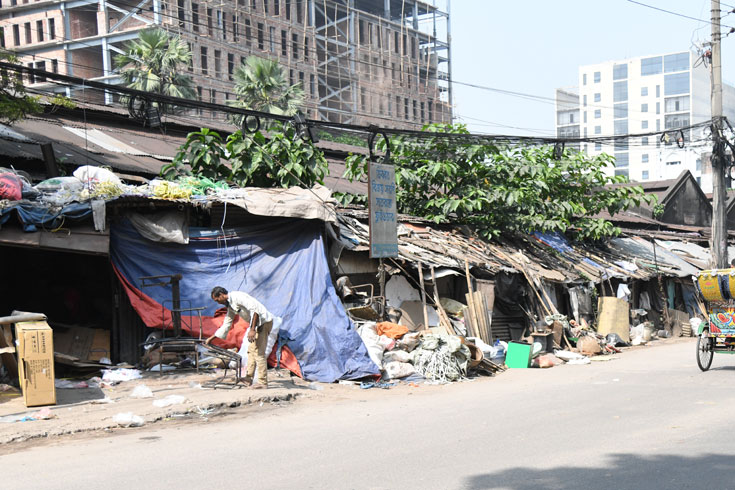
(705,352)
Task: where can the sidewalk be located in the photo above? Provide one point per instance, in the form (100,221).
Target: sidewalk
(92,409)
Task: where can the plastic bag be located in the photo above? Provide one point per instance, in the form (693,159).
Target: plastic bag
(396,356)
(169,400)
(89,174)
(141,391)
(409,341)
(399,369)
(128,419)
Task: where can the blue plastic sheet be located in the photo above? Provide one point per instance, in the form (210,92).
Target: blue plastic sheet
(34,215)
(281,263)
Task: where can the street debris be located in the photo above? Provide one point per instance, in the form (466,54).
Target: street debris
(128,419)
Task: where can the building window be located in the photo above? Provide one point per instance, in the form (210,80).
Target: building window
(210,30)
(287,7)
(306,49)
(295,46)
(415,115)
(644,124)
(658,90)
(676,62)
(261,37)
(675,162)
(16,35)
(181,13)
(584,100)
(405,108)
(396,43)
(276,8)
(235,29)
(676,104)
(620,111)
(272,38)
(217,63)
(312,84)
(621,160)
(195,17)
(598,129)
(644,175)
(284,46)
(620,72)
(584,117)
(644,141)
(651,66)
(39,30)
(41,65)
(597,97)
(431,110)
(620,91)
(597,77)
(644,91)
(644,158)
(301,79)
(190,65)
(658,124)
(677,83)
(598,113)
(230,65)
(55,66)
(31,74)
(27,27)
(248,32)
(658,107)
(203,53)
(571,118)
(584,79)
(598,146)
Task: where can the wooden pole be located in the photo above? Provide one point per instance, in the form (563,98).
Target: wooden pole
(471,300)
(423,296)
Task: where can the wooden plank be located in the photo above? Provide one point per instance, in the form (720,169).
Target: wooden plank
(470,299)
(443,318)
(423,297)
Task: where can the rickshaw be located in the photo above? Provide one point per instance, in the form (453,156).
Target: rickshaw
(717,333)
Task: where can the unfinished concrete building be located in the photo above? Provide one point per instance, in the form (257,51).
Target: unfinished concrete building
(382,62)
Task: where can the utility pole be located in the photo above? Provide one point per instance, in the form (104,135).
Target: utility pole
(719,220)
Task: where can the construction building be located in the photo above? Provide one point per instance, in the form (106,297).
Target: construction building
(382,62)
(657,97)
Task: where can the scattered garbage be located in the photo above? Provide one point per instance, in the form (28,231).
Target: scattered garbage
(128,419)
(441,358)
(69,384)
(141,391)
(366,385)
(169,400)
(397,369)
(121,374)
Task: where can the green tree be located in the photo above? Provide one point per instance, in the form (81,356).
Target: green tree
(153,63)
(282,160)
(495,188)
(262,85)
(15,103)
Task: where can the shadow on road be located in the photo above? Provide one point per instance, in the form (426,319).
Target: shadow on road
(625,471)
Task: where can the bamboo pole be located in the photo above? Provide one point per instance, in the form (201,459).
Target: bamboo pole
(423,297)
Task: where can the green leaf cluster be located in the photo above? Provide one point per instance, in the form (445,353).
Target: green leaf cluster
(251,160)
(15,103)
(496,188)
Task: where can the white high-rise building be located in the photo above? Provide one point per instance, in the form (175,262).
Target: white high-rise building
(649,94)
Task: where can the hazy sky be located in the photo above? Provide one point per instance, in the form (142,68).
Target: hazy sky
(535,46)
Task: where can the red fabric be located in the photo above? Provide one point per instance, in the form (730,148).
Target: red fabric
(11,187)
(154,316)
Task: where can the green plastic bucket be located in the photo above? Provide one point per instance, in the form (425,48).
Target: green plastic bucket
(519,355)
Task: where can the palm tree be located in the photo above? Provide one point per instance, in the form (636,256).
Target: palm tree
(261,85)
(152,64)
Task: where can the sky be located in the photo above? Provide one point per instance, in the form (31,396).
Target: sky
(535,46)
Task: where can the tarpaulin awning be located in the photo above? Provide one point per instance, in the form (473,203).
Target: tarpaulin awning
(282,263)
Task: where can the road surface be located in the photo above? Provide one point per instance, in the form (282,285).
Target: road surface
(648,419)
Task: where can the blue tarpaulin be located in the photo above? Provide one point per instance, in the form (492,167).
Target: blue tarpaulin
(281,263)
(33,215)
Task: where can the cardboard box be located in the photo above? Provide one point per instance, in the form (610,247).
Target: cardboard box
(36,363)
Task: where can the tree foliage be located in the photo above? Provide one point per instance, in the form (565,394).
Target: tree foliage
(281,160)
(496,188)
(15,103)
(153,63)
(262,85)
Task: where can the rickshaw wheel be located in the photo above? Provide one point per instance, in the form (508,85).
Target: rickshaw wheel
(705,352)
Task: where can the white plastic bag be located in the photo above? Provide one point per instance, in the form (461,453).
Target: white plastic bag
(128,419)
(169,400)
(141,391)
(89,174)
(399,369)
(396,356)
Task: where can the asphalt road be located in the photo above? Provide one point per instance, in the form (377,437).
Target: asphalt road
(648,419)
